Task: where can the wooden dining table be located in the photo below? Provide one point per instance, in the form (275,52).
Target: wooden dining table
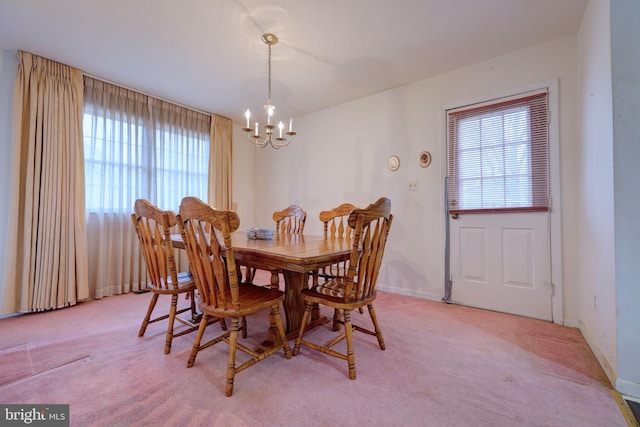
(296,256)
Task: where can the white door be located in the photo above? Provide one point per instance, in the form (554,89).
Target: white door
(499,205)
(501,262)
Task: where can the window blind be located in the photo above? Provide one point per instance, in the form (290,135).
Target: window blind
(498,156)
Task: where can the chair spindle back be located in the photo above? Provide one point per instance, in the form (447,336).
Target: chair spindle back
(153,228)
(290,220)
(335,221)
(216,277)
(371,227)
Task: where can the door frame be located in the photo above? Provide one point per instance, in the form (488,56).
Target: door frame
(555,202)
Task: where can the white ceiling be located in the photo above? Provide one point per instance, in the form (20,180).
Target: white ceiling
(208,54)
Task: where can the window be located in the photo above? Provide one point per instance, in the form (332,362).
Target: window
(498,156)
(136,146)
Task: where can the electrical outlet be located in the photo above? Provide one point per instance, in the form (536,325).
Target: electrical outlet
(413,185)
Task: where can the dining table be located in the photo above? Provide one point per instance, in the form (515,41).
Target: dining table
(296,256)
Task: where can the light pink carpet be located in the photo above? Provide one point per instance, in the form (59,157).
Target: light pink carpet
(445,365)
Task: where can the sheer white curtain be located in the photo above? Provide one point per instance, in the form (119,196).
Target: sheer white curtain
(135,146)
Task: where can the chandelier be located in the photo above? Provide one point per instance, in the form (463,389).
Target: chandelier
(269,137)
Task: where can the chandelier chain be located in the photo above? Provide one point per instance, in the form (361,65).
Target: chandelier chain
(269,77)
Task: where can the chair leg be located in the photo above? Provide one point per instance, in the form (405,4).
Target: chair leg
(147,317)
(250,274)
(231,364)
(172,317)
(196,343)
(243,327)
(348,330)
(275,314)
(194,312)
(275,280)
(336,318)
(305,318)
(374,319)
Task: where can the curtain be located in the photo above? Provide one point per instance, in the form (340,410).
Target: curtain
(220,163)
(46,267)
(136,146)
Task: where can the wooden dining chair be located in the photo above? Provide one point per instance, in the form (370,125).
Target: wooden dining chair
(290,220)
(153,228)
(220,295)
(334,222)
(335,226)
(370,227)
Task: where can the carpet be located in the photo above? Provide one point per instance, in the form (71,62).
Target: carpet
(16,364)
(444,366)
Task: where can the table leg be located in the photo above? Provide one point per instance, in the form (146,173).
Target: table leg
(293,309)
(294,283)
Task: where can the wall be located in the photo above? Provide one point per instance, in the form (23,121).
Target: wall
(609,169)
(244,177)
(340,154)
(8,69)
(625,60)
(596,219)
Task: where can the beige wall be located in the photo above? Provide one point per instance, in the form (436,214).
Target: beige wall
(244,177)
(595,162)
(340,155)
(625,63)
(8,69)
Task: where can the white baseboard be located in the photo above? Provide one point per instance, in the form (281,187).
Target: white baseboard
(609,371)
(409,292)
(572,323)
(628,389)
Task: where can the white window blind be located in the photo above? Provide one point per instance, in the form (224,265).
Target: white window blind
(498,156)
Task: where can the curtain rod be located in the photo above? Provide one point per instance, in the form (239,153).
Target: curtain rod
(148,94)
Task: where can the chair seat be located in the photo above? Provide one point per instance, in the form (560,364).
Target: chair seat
(252,298)
(332,294)
(333,288)
(185,284)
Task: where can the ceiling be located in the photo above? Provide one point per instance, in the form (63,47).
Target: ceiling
(208,54)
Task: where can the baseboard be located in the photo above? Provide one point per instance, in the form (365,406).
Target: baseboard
(4,316)
(624,387)
(628,388)
(409,292)
(572,323)
(604,363)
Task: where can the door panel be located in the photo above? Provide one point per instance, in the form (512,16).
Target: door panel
(473,262)
(501,262)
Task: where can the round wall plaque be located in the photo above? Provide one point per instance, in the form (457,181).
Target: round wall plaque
(393,163)
(424,159)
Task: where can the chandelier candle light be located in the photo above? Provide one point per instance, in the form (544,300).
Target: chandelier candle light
(254,133)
